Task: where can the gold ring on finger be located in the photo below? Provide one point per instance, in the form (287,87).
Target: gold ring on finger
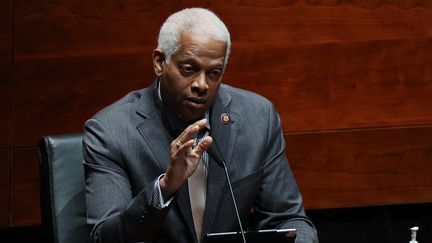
(178,144)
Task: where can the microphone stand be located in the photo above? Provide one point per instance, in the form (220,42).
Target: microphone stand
(214,152)
(235,204)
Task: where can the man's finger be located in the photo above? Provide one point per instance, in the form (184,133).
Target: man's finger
(192,130)
(203,145)
(185,146)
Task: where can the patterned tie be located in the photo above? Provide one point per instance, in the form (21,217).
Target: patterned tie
(197,183)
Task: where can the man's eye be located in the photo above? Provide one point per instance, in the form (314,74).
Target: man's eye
(187,69)
(215,73)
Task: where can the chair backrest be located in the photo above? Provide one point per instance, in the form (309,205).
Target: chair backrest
(63,188)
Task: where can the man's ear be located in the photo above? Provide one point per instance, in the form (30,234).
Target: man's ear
(158,60)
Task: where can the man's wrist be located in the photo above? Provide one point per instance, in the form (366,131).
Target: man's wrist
(166,190)
(158,199)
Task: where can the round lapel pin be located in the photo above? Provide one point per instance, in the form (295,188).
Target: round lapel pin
(225,118)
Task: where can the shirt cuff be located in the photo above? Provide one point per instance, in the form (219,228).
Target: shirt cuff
(158,200)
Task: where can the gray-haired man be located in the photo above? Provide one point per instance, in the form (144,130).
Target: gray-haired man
(149,177)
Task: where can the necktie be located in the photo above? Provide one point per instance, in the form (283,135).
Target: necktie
(197,183)
(197,194)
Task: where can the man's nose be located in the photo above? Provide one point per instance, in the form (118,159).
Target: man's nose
(199,84)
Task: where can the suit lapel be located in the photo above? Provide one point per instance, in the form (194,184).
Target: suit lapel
(224,135)
(158,140)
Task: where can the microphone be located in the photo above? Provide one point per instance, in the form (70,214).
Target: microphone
(215,153)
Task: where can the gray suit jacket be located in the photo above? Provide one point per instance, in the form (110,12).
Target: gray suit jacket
(126,147)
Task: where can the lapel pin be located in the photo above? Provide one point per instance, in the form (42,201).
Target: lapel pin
(225,118)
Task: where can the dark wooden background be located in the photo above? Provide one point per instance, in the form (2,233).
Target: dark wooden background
(352,81)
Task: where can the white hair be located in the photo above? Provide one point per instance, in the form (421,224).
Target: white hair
(198,21)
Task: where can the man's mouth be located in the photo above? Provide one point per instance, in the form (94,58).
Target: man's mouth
(196,103)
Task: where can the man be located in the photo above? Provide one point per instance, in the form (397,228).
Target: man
(149,177)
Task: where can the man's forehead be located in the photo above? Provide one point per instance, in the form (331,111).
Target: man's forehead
(193,48)
(188,39)
(194,59)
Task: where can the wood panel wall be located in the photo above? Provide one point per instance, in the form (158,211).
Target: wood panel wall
(352,81)
(5,99)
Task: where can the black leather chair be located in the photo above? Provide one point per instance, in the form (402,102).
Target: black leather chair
(63,189)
